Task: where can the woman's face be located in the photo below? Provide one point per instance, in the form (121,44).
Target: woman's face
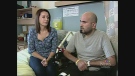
(44,18)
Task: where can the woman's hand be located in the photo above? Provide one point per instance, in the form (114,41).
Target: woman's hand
(44,62)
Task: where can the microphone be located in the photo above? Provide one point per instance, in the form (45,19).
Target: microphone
(60,49)
(59,55)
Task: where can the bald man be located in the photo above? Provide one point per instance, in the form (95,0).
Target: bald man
(93,48)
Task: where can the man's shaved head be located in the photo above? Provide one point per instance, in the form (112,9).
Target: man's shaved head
(91,16)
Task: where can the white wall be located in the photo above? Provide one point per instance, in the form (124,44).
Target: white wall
(19,2)
(19,27)
(41,4)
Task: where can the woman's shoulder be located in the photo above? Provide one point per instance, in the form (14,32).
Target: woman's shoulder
(32,29)
(53,29)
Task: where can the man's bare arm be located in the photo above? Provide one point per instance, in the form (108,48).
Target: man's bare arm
(110,61)
(70,56)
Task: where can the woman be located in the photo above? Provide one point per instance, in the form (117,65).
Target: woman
(42,44)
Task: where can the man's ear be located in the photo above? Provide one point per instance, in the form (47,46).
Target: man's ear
(94,25)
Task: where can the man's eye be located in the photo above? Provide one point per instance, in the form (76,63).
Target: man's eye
(83,21)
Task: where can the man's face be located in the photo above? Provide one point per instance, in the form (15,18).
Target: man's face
(86,25)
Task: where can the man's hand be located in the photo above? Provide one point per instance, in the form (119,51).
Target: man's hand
(44,62)
(82,65)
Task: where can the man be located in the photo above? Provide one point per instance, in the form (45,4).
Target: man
(93,48)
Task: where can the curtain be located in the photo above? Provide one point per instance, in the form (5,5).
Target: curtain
(111,18)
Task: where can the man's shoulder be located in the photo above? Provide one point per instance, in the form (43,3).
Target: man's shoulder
(100,32)
(77,33)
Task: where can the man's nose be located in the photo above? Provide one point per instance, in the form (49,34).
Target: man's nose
(81,24)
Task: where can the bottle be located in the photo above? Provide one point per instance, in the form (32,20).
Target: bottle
(25,38)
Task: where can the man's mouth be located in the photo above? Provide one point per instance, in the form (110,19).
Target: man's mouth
(82,28)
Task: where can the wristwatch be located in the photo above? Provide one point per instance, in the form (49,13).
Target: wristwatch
(88,63)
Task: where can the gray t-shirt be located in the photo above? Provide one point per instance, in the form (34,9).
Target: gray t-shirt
(96,47)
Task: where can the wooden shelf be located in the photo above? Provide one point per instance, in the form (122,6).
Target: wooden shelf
(64,3)
(21,43)
(25,9)
(26,21)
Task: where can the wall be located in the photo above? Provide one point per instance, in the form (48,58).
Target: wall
(41,4)
(19,2)
(19,27)
(72,23)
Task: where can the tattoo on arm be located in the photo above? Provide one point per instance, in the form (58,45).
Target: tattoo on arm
(105,63)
